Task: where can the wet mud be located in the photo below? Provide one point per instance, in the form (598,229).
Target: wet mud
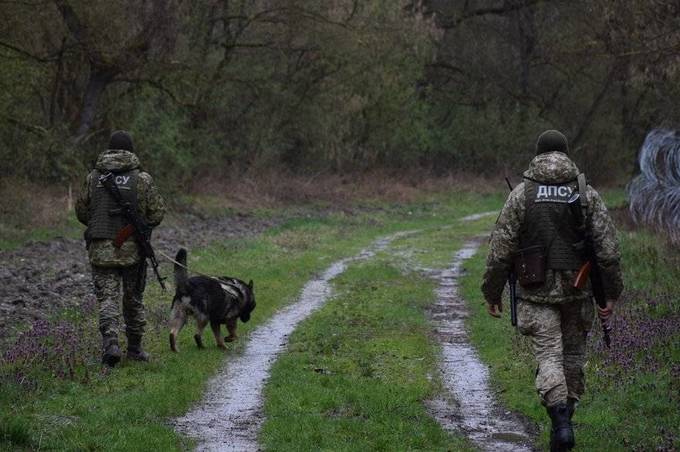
(468,405)
(44,277)
(231,412)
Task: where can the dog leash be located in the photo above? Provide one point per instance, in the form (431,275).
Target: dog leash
(187,268)
(224,284)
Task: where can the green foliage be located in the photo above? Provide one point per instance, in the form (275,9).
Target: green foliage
(344,85)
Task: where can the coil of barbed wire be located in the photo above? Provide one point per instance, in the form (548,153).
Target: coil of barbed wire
(655,193)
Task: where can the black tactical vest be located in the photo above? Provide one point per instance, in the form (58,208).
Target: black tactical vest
(104,215)
(550,223)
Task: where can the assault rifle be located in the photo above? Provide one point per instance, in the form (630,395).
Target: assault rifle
(512,283)
(591,268)
(137,226)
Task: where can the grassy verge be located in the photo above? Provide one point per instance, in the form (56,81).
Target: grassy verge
(54,394)
(128,408)
(356,373)
(14,235)
(631,402)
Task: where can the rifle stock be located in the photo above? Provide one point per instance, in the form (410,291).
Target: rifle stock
(591,268)
(598,293)
(124,234)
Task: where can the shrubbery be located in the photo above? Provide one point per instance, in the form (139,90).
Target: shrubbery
(340,86)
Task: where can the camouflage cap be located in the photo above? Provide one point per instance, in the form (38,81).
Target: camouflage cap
(552,141)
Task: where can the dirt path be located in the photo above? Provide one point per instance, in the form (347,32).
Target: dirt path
(43,277)
(479,216)
(230,415)
(470,406)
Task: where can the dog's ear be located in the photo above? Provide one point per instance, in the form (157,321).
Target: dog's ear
(250,284)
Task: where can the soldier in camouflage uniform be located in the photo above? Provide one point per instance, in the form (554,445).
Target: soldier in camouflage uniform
(554,314)
(111,265)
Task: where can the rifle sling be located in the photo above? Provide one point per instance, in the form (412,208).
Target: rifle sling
(129,230)
(583,200)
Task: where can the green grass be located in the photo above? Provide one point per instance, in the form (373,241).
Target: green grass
(638,411)
(433,247)
(13,236)
(614,198)
(128,408)
(357,371)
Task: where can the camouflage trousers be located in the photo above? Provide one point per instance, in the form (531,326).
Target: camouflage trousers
(558,335)
(107,289)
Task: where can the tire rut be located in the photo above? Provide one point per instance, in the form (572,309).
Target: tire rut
(469,406)
(231,413)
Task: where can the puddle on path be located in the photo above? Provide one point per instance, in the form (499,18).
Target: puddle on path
(478,216)
(473,410)
(230,414)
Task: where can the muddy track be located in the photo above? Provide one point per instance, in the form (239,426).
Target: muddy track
(469,406)
(231,413)
(41,278)
(479,216)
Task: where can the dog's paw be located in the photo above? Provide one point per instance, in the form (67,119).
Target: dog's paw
(230,338)
(199,340)
(173,344)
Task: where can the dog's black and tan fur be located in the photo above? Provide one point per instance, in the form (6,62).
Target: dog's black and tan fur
(216,301)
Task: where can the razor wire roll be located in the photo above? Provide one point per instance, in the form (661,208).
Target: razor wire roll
(655,193)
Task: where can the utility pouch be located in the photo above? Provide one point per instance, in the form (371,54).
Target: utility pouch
(529,266)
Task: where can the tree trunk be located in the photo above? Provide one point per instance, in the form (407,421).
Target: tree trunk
(96,84)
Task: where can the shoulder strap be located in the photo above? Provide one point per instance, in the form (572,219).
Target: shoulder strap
(108,182)
(582,188)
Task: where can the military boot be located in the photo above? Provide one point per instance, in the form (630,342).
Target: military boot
(561,434)
(134,350)
(571,404)
(112,353)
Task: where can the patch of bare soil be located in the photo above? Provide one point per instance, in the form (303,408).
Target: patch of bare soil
(469,406)
(230,415)
(41,278)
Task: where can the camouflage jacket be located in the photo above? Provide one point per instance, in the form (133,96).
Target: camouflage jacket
(551,167)
(151,204)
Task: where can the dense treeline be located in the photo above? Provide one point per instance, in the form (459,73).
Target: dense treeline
(338,85)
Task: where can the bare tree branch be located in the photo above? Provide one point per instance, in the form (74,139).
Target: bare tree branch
(453,22)
(25,53)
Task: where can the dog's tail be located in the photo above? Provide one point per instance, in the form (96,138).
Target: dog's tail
(181,273)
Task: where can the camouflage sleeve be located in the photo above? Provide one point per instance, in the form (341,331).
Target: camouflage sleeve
(151,202)
(504,242)
(83,201)
(606,244)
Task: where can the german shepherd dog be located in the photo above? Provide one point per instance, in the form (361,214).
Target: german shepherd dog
(216,301)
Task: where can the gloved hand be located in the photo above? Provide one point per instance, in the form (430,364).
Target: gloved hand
(605,313)
(495,309)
